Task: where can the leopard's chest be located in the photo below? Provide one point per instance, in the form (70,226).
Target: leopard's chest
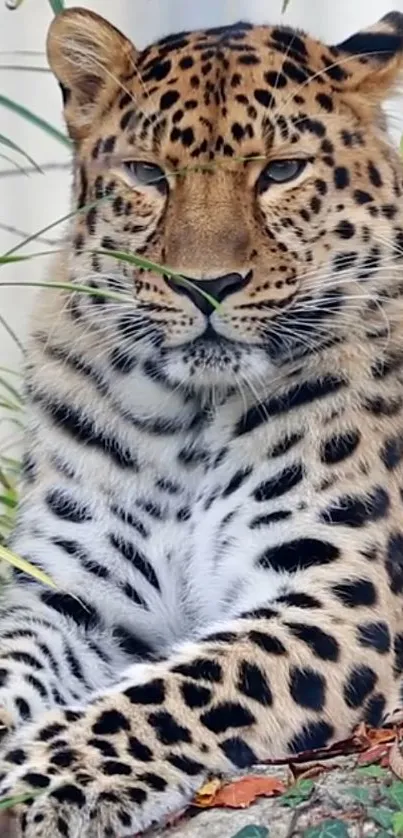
(238,514)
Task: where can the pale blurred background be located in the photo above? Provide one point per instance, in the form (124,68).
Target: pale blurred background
(29,203)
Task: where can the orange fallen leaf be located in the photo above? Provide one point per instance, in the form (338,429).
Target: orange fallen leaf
(368,737)
(242,793)
(381,735)
(374,744)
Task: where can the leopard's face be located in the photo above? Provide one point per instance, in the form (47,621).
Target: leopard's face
(249,161)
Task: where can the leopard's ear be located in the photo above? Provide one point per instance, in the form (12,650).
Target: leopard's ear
(90,59)
(371,61)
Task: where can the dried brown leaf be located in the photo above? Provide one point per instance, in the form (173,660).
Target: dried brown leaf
(239,794)
(308,771)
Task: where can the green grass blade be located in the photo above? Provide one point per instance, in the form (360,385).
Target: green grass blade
(9,802)
(40,52)
(35,120)
(25,68)
(14,147)
(11,332)
(140,262)
(10,371)
(63,286)
(53,224)
(11,464)
(16,561)
(5,404)
(14,163)
(97,292)
(5,481)
(10,259)
(130,258)
(10,502)
(11,390)
(57,6)
(7,524)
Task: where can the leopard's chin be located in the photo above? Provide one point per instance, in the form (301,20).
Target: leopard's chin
(219,364)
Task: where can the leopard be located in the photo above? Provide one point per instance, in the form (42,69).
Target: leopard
(212,478)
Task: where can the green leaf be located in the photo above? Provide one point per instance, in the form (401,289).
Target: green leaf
(35,120)
(397,823)
(6,527)
(10,371)
(14,163)
(14,337)
(395,794)
(57,6)
(359,793)
(252,831)
(7,405)
(25,68)
(327,829)
(147,264)
(374,771)
(381,815)
(14,147)
(22,564)
(10,389)
(64,286)
(4,480)
(9,802)
(10,463)
(298,793)
(56,223)
(6,501)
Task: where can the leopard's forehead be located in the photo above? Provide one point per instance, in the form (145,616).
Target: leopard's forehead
(210,90)
(243,44)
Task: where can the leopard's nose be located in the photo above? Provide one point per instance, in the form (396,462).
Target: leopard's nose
(217,289)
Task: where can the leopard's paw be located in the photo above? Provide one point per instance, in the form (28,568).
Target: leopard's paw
(93,804)
(83,785)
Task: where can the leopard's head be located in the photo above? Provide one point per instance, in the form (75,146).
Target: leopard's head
(254,162)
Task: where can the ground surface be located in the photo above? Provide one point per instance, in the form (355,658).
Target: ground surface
(334,797)
(347,801)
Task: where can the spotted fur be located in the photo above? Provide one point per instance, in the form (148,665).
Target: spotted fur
(216,492)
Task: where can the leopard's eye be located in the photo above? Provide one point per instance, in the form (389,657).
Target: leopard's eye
(146,174)
(280,171)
